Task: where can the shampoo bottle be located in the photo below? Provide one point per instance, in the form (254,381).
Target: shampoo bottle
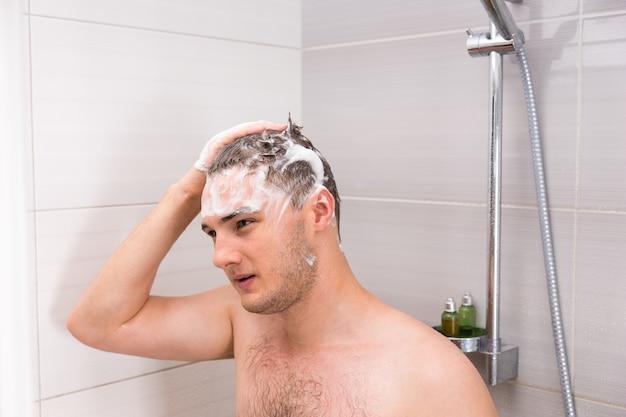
(467,316)
(450,319)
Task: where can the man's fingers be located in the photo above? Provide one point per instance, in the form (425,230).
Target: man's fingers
(256,127)
(213,146)
(249,128)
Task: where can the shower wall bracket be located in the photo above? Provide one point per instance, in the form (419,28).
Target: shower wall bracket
(496,368)
(483,44)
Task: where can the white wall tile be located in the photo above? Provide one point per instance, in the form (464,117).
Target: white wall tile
(591,408)
(603,98)
(414,256)
(120,113)
(383,111)
(270,21)
(364,20)
(594,6)
(600,318)
(201,389)
(513,400)
(525,319)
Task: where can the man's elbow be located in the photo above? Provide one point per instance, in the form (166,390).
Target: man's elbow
(83,330)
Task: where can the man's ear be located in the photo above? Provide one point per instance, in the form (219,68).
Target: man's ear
(323,206)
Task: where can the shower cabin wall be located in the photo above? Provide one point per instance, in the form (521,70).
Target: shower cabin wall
(401,112)
(124,96)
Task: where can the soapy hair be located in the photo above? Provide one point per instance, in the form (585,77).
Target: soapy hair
(289,160)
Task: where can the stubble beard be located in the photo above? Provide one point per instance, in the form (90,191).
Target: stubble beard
(298,277)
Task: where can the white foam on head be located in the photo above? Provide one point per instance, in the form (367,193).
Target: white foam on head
(297,153)
(237,187)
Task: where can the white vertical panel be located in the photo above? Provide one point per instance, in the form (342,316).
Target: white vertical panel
(16,315)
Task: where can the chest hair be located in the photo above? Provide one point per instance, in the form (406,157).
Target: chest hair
(285,385)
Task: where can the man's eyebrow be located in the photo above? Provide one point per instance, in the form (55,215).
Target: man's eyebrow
(239,212)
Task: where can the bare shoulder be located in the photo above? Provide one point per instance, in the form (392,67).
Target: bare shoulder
(433,375)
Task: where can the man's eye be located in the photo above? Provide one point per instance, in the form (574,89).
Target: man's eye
(211,233)
(243,223)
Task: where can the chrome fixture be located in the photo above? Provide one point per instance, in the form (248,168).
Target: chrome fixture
(499,363)
(500,16)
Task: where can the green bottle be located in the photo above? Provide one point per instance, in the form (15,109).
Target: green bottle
(450,319)
(467,316)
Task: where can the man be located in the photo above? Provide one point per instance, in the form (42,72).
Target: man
(307,339)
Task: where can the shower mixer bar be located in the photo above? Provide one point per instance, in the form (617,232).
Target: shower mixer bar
(496,362)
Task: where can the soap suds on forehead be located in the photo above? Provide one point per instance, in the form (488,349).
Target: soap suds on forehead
(234,188)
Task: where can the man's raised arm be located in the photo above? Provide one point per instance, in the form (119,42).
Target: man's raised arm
(117,313)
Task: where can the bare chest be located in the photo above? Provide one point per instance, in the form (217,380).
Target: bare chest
(272,383)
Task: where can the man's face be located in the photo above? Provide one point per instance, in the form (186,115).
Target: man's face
(260,241)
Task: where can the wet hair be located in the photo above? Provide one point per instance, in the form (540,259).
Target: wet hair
(272,152)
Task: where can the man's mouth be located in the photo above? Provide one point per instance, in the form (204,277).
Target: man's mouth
(244,282)
(244,278)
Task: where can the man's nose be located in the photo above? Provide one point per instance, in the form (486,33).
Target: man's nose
(225,253)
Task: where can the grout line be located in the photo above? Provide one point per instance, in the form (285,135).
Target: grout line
(382,40)
(167,32)
(557,391)
(361,198)
(117,381)
(577,175)
(95,207)
(365,199)
(454,31)
(471,204)
(409,201)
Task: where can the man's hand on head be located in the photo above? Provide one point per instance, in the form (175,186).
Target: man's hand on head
(217,142)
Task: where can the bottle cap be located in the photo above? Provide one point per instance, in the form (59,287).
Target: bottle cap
(467,299)
(450,305)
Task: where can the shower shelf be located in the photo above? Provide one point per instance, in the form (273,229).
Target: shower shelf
(470,343)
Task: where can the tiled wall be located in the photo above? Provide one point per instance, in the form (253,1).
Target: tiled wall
(125,93)
(397,105)
(124,96)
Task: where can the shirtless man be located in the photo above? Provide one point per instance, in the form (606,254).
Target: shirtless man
(307,338)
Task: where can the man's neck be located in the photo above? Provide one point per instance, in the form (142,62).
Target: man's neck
(328,314)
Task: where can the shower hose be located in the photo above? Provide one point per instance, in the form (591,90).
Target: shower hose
(546,235)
